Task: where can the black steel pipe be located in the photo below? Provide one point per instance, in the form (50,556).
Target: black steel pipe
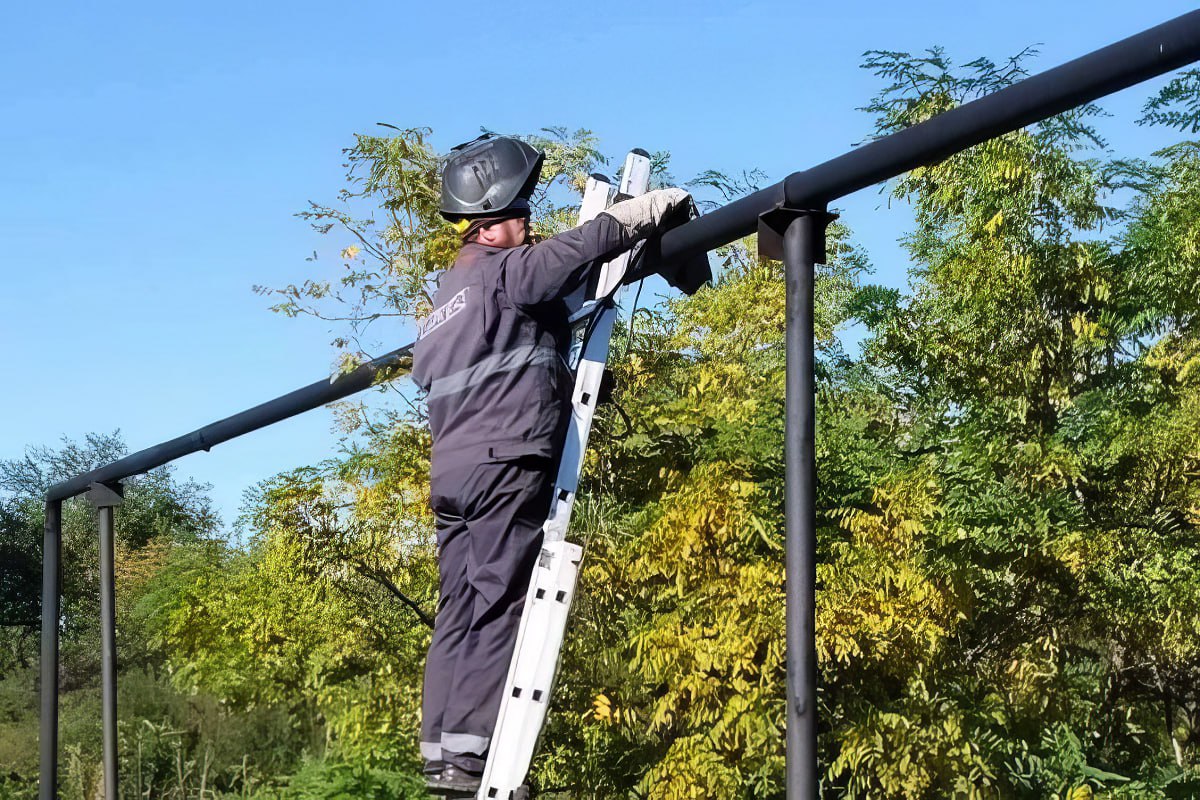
(108,651)
(289,405)
(1153,52)
(309,397)
(803,247)
(51,591)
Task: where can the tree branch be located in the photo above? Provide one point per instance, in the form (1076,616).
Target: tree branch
(386,583)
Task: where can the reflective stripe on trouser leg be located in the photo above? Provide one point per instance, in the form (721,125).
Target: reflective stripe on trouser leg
(464,743)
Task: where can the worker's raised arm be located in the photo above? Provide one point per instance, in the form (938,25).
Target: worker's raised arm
(553,268)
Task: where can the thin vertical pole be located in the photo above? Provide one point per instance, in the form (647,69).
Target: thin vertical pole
(51,589)
(105,497)
(803,243)
(108,651)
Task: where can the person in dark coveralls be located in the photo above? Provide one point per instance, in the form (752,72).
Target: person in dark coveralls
(490,358)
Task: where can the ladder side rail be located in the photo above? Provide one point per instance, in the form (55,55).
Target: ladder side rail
(532,670)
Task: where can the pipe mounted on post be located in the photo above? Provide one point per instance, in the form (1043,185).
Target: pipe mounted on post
(1154,52)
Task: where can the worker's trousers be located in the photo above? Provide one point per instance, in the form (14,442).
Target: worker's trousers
(489,532)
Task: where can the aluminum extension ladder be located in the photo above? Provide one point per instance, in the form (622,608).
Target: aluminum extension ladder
(535,659)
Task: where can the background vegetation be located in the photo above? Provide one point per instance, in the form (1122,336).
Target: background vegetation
(1009,511)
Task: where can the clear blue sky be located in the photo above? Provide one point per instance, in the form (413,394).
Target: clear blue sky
(153,156)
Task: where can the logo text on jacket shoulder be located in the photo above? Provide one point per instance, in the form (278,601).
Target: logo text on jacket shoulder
(442,314)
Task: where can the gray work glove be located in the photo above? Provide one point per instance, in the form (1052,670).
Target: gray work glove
(643,214)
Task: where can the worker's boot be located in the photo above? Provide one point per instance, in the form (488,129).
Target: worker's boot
(453,782)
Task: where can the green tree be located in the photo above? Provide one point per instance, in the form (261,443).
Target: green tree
(326,612)
(160,514)
(1054,457)
(1007,508)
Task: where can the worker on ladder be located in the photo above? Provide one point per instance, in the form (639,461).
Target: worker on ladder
(489,356)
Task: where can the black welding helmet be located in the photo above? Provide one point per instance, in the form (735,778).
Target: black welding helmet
(486,176)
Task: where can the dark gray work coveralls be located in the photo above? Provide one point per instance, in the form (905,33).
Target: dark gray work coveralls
(499,393)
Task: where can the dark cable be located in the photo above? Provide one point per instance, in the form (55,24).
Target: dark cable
(632,314)
(607,301)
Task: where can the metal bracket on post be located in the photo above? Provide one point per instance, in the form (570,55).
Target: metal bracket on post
(773,225)
(797,237)
(105,497)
